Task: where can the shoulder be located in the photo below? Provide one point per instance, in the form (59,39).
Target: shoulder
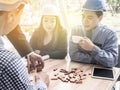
(107,30)
(107,33)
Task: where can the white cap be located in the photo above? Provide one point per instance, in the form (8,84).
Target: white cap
(8,5)
(50,9)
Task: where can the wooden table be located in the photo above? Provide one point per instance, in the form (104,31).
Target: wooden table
(87,84)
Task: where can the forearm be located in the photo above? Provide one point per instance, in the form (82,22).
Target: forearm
(106,58)
(18,39)
(77,55)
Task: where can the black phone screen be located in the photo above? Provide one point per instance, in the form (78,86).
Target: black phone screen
(103,72)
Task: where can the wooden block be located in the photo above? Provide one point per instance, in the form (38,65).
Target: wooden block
(89,74)
(55,69)
(74,76)
(72,80)
(84,74)
(54,78)
(78,81)
(83,77)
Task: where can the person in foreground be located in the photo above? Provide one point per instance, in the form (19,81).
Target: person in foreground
(50,37)
(13,73)
(99,43)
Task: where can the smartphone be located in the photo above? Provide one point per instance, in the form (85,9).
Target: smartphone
(103,73)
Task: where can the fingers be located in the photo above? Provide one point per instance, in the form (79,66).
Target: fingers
(35,62)
(43,76)
(47,80)
(32,78)
(28,64)
(81,43)
(39,68)
(40,61)
(37,78)
(84,42)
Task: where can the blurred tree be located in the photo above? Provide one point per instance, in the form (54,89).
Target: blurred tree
(114,5)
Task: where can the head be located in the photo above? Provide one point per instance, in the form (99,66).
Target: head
(50,14)
(92,13)
(10,12)
(50,22)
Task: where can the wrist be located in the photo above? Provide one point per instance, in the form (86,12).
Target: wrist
(95,50)
(41,84)
(28,55)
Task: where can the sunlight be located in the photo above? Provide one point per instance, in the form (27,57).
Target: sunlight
(26,18)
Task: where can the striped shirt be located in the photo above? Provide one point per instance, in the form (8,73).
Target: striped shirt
(105,51)
(13,73)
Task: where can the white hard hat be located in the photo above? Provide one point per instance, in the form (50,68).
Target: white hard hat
(8,5)
(50,9)
(94,5)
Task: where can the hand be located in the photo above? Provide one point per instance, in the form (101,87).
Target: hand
(35,62)
(86,44)
(32,78)
(42,76)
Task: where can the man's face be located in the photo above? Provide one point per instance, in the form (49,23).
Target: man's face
(9,20)
(90,20)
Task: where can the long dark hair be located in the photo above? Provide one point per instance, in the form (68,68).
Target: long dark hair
(41,31)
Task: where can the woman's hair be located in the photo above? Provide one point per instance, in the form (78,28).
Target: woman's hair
(57,29)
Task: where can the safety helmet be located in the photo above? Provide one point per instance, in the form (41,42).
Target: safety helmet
(50,9)
(94,5)
(8,5)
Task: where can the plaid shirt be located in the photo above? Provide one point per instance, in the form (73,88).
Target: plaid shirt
(13,74)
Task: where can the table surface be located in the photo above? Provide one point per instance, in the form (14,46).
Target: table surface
(87,84)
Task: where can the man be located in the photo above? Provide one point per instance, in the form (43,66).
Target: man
(15,35)
(13,73)
(99,43)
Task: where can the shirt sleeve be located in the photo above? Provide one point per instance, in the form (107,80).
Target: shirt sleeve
(18,39)
(40,85)
(78,54)
(108,55)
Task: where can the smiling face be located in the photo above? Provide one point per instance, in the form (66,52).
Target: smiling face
(9,20)
(49,23)
(90,20)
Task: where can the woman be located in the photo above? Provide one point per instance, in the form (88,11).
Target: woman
(50,37)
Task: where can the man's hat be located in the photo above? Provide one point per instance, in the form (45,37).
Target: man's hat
(94,5)
(8,5)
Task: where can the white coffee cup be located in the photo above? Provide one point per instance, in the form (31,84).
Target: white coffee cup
(76,39)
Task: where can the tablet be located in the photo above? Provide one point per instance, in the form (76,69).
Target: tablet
(103,73)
